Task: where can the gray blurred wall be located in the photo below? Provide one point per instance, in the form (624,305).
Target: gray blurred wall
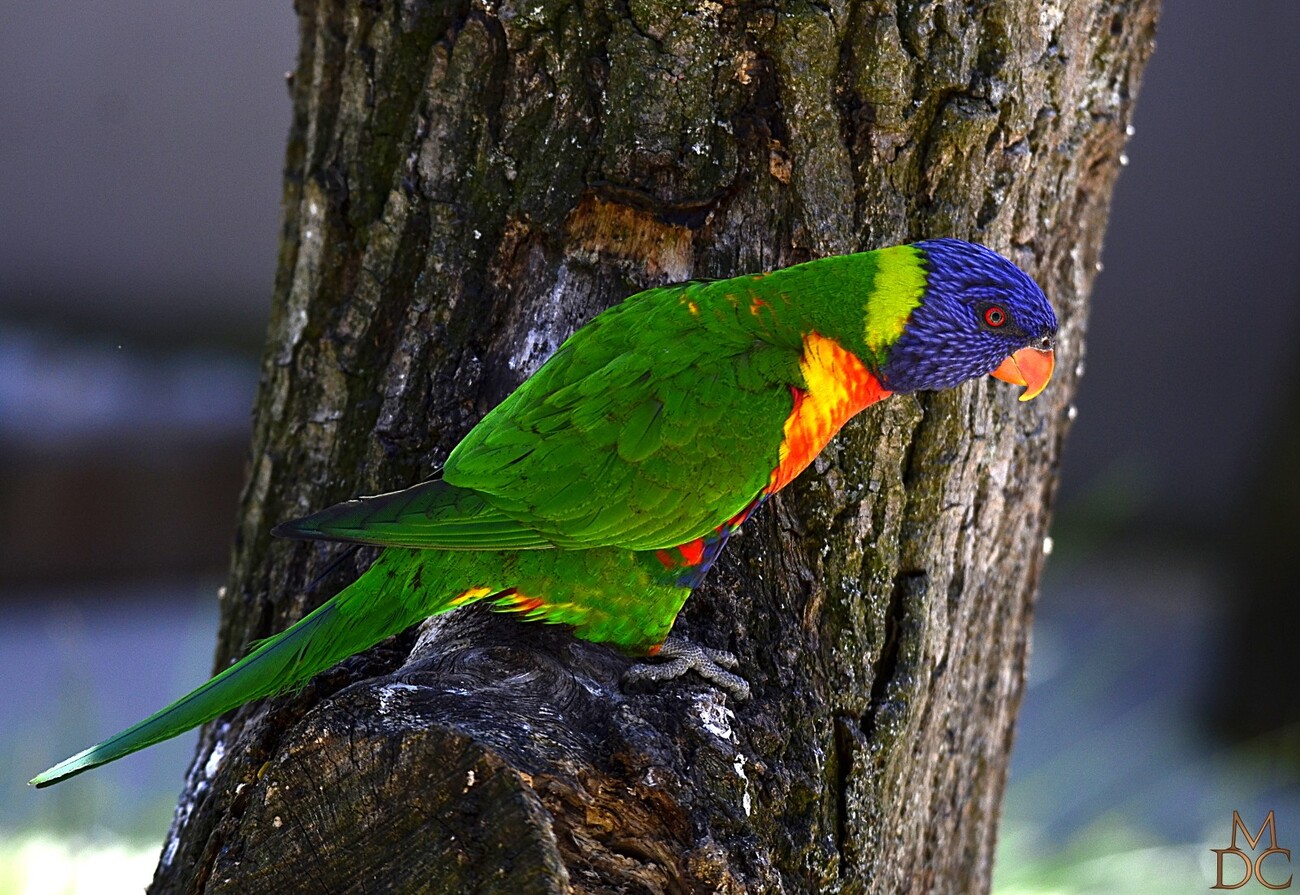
(141,144)
(1195,318)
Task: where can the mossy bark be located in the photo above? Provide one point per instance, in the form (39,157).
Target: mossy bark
(467,183)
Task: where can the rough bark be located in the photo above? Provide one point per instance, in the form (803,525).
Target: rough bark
(466,183)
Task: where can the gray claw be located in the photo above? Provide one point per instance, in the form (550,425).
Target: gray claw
(683,656)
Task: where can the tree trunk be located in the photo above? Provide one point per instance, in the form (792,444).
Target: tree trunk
(466,184)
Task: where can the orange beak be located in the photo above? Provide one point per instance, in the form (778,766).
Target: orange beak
(1030,367)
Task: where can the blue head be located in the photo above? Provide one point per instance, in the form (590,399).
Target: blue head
(979,314)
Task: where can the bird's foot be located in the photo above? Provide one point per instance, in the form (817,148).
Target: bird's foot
(682,656)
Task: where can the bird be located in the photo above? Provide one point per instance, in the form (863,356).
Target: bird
(599,492)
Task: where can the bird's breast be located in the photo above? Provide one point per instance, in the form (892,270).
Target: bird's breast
(836,387)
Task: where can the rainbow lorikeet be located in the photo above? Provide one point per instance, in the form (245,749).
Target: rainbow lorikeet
(600,491)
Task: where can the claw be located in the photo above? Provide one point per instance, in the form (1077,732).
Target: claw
(683,656)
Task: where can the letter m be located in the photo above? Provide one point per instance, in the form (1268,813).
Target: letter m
(1238,824)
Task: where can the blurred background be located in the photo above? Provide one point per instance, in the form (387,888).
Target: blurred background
(140,153)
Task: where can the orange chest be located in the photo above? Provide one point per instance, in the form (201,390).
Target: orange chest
(837,386)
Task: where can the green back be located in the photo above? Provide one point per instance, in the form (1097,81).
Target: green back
(664,416)
(652,425)
(649,427)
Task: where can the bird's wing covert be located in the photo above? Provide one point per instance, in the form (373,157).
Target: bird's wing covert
(649,427)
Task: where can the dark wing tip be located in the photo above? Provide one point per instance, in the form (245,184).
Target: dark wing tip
(296,530)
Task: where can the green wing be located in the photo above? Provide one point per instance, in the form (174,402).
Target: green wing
(431,514)
(648,428)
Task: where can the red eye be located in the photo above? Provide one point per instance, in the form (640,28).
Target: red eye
(994,316)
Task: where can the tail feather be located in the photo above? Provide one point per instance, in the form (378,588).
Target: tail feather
(358,617)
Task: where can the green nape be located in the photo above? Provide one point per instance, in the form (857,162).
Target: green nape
(896,291)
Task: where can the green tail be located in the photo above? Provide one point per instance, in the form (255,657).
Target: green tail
(375,606)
